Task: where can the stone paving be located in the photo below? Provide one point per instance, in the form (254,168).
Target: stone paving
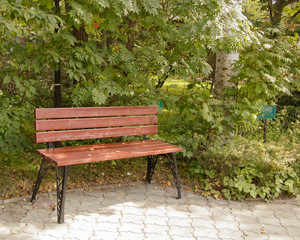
(138,211)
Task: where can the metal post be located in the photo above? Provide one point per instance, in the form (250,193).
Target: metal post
(62,174)
(265,131)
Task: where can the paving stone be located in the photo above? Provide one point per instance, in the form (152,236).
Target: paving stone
(255,236)
(223,217)
(111,218)
(230,225)
(176,231)
(180,222)
(201,223)
(293,231)
(291,222)
(269,221)
(279,237)
(131,236)
(134,211)
(245,218)
(21,236)
(135,204)
(250,226)
(54,232)
(178,237)
(33,229)
(103,235)
(230,234)
(178,214)
(153,236)
(77,234)
(157,229)
(107,226)
(156,220)
(206,232)
(131,227)
(275,230)
(132,218)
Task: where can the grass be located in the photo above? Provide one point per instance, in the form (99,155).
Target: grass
(177,87)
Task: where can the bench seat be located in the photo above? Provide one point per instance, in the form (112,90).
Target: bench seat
(103,152)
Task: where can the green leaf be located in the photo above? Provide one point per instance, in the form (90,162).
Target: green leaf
(6,79)
(253,193)
(70,38)
(98,96)
(151,6)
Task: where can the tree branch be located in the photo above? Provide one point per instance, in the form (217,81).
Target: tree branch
(285,3)
(270,10)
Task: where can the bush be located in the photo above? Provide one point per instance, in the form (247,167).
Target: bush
(240,168)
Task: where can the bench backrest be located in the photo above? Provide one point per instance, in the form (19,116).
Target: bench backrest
(62,124)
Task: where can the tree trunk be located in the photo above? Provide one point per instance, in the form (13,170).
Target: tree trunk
(223,73)
(57,70)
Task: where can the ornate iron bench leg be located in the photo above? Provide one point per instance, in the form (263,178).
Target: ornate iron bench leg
(62,174)
(173,165)
(152,160)
(43,169)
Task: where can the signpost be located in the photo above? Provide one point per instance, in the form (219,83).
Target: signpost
(268,112)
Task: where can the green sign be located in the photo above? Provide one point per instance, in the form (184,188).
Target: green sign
(268,112)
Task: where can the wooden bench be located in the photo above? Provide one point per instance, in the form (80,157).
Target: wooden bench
(54,125)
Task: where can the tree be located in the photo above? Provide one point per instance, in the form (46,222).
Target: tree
(276,10)
(225,58)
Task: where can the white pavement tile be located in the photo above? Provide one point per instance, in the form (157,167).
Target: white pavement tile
(131,227)
(131,236)
(153,236)
(103,235)
(206,232)
(230,234)
(176,231)
(156,229)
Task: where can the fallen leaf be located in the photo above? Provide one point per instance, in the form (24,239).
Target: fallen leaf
(52,207)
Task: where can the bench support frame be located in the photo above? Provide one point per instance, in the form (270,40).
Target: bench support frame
(43,169)
(62,174)
(152,160)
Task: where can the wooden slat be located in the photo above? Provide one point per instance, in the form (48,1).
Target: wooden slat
(51,113)
(59,124)
(104,152)
(94,133)
(104,146)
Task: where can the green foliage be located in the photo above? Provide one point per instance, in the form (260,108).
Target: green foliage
(242,169)
(270,69)
(13,131)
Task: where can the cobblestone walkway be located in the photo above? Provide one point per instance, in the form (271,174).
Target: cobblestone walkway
(138,211)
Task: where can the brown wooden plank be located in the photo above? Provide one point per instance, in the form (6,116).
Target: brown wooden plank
(112,152)
(51,113)
(59,124)
(107,147)
(103,146)
(94,133)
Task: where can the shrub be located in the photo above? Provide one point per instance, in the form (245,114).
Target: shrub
(240,168)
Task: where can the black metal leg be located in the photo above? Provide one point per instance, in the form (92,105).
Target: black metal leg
(173,165)
(152,160)
(43,169)
(62,174)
